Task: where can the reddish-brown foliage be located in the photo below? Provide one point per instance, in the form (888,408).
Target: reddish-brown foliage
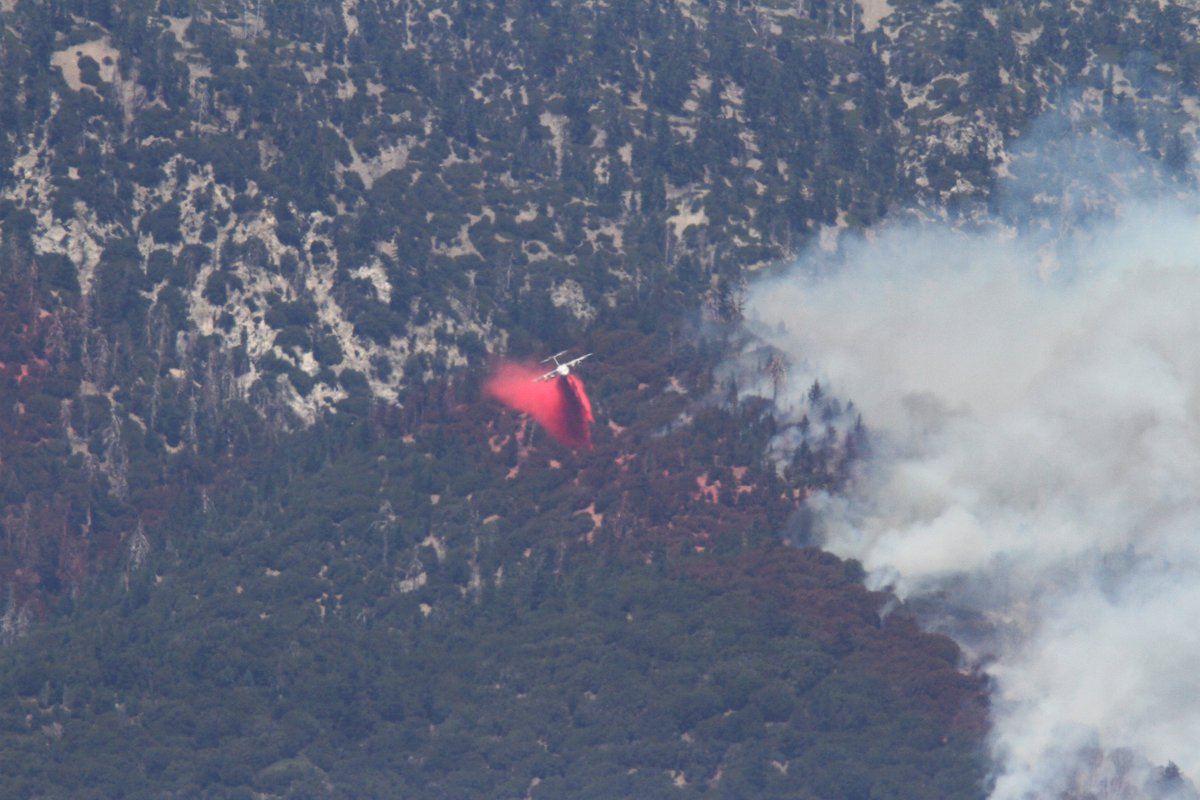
(827,594)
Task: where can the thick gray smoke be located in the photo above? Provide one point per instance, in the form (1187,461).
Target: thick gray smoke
(1037,416)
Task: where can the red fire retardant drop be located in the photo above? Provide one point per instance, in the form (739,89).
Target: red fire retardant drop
(559,404)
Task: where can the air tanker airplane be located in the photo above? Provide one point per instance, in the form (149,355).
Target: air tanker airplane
(556,399)
(560,369)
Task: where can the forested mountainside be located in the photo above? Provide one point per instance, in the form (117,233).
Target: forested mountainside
(255,257)
(436,600)
(394,188)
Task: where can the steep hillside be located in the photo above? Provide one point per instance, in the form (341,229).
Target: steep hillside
(213,206)
(439,600)
(255,260)
(391,189)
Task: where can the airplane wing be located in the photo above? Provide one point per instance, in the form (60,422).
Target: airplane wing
(547,376)
(575,361)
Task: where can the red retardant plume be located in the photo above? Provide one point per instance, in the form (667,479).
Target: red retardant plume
(559,404)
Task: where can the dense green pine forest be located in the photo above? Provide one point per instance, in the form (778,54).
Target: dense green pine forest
(262,533)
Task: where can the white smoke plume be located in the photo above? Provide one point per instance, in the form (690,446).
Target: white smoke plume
(1036,411)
